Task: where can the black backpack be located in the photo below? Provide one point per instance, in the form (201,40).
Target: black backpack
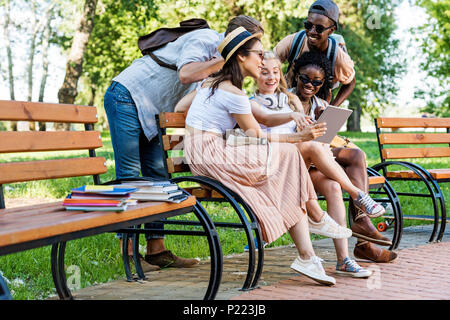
(162,36)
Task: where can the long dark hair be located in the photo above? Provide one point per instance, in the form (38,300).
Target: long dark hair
(319,60)
(230,70)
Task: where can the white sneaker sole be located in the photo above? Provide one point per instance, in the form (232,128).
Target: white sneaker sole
(354,274)
(376,214)
(329,281)
(345,235)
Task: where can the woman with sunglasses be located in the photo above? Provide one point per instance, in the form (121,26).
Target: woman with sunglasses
(310,85)
(260,173)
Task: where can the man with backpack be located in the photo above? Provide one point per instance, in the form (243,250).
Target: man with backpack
(152,84)
(322,21)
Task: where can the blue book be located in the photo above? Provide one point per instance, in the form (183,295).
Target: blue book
(106,190)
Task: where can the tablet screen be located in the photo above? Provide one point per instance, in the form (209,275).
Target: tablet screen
(335,118)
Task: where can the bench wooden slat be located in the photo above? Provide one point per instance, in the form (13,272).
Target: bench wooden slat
(46,112)
(172,120)
(375,180)
(204,193)
(201,193)
(414,138)
(177,164)
(51,169)
(413,122)
(29,141)
(437,174)
(405,153)
(171,142)
(16,229)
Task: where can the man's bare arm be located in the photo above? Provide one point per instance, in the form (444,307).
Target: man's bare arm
(197,71)
(343,93)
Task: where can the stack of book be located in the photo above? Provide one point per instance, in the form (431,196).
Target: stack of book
(99,198)
(158,190)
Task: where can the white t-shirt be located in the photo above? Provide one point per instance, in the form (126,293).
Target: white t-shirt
(316,102)
(214,113)
(273,104)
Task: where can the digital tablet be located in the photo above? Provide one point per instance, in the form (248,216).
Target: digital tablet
(335,118)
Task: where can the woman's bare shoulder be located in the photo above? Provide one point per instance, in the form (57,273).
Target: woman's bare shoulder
(228,86)
(225,86)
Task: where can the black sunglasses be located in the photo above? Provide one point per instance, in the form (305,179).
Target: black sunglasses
(305,80)
(319,28)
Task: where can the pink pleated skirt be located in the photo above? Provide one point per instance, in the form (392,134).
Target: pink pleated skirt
(277,189)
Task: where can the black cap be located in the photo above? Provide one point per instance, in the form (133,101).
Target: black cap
(327,8)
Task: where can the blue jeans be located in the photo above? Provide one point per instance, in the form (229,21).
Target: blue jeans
(133,152)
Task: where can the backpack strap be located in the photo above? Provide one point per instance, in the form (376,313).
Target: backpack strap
(332,54)
(295,48)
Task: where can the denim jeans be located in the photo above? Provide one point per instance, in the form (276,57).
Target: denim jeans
(133,152)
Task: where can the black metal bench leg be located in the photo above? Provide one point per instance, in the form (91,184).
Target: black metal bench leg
(433,188)
(436,194)
(58,271)
(137,262)
(443,218)
(230,197)
(214,249)
(396,207)
(235,201)
(125,257)
(429,182)
(398,215)
(259,240)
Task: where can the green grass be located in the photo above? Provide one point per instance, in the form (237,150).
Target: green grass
(97,258)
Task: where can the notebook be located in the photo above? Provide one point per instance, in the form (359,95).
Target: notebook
(335,118)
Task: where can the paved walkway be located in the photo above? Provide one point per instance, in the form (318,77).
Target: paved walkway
(418,273)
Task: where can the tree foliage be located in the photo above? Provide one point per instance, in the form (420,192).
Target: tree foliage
(118,24)
(368,26)
(436,47)
(113,44)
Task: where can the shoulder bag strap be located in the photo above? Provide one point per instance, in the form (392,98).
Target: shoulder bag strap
(161,63)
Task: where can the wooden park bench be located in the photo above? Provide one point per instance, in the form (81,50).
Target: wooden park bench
(34,226)
(411,138)
(171,131)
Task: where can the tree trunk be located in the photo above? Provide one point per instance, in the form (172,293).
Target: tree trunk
(92,99)
(68,90)
(45,44)
(354,122)
(34,31)
(10,61)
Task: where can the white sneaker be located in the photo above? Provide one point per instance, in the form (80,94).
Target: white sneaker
(366,204)
(329,228)
(313,269)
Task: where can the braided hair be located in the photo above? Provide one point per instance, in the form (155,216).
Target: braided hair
(319,60)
